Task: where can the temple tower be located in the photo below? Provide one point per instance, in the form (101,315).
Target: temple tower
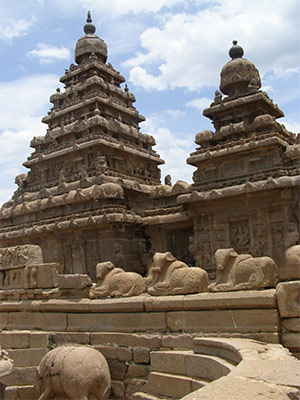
(89,175)
(245,193)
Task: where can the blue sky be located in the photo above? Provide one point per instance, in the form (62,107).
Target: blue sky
(170,51)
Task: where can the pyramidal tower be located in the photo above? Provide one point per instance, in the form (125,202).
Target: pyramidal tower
(89,173)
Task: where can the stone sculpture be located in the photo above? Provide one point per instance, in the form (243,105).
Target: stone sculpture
(115,282)
(6,366)
(243,272)
(74,373)
(291,267)
(168,276)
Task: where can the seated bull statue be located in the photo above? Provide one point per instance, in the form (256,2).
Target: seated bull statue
(73,373)
(243,272)
(167,275)
(115,282)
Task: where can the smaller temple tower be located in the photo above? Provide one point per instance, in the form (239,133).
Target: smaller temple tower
(246,187)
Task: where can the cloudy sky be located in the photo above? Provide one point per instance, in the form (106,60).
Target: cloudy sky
(170,52)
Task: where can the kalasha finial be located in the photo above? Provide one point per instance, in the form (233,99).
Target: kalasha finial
(89,28)
(236,51)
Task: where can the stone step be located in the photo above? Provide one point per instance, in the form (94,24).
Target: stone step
(186,363)
(26,357)
(145,396)
(169,385)
(27,392)
(20,376)
(217,347)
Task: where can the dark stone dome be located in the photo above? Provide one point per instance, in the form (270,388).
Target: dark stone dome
(239,75)
(90,44)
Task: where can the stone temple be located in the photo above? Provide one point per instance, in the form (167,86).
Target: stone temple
(92,237)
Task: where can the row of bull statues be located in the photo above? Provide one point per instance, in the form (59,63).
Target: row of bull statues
(22,267)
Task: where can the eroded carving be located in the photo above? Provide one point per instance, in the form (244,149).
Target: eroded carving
(115,282)
(74,373)
(243,272)
(167,276)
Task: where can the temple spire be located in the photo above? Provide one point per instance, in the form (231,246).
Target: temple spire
(89,28)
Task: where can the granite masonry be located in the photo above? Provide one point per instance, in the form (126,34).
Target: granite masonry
(187,290)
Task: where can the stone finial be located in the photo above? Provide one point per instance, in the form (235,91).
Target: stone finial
(89,28)
(236,51)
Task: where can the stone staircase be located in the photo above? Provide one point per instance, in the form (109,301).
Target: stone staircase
(20,381)
(176,373)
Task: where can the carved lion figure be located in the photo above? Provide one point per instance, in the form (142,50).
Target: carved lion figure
(167,276)
(243,272)
(73,373)
(115,282)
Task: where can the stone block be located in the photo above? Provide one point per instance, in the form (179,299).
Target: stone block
(109,352)
(27,392)
(19,256)
(206,367)
(268,337)
(288,298)
(63,338)
(114,322)
(231,300)
(291,341)
(124,354)
(168,361)
(74,281)
(117,390)
(27,357)
(14,340)
(138,371)
(9,305)
(181,341)
(39,339)
(117,369)
(163,303)
(128,304)
(224,321)
(173,386)
(3,320)
(141,355)
(291,324)
(46,275)
(20,376)
(72,305)
(28,305)
(37,321)
(134,385)
(152,341)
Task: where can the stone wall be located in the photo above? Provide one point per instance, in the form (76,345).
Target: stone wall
(127,330)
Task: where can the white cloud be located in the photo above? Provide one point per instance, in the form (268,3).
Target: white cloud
(11,29)
(189,50)
(22,102)
(117,8)
(175,113)
(199,103)
(48,54)
(291,125)
(173,147)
